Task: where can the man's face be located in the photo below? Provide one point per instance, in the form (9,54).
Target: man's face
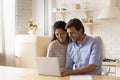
(74,34)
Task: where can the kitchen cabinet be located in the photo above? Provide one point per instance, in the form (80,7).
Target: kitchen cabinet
(118,70)
(114,68)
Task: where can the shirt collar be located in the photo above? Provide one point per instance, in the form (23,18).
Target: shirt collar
(83,42)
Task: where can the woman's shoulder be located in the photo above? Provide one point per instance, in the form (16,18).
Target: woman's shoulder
(55,42)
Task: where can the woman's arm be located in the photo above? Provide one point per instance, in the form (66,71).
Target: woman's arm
(50,50)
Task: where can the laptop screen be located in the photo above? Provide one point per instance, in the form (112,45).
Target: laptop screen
(48,66)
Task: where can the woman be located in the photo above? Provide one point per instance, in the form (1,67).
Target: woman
(58,45)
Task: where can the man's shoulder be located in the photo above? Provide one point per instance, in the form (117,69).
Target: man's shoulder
(91,38)
(71,43)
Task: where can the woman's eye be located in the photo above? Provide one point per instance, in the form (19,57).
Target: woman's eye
(57,34)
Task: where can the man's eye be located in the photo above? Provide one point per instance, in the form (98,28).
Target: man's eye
(62,33)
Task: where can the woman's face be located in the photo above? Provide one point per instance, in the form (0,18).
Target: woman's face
(61,35)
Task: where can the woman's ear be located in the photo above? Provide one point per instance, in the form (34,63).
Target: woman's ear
(81,30)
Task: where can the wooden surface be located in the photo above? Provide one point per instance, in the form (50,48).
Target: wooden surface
(13,73)
(114,64)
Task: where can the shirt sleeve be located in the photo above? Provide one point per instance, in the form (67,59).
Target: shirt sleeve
(69,61)
(50,51)
(96,54)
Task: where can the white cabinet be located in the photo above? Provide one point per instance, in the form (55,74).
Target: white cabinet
(118,71)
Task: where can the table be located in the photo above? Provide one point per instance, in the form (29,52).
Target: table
(14,73)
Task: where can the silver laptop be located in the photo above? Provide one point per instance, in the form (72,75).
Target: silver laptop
(48,66)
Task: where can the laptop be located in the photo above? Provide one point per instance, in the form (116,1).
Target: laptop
(48,66)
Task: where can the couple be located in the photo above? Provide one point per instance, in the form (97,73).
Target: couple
(74,48)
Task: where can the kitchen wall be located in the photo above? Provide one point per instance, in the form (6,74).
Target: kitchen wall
(23,14)
(108,30)
(26,9)
(38,13)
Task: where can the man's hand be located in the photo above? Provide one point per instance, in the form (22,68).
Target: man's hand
(83,70)
(66,71)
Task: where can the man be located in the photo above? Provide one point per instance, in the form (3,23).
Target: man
(84,53)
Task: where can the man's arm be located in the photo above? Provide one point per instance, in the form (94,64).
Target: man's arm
(83,70)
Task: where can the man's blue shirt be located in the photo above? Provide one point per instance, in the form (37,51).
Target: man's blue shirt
(88,52)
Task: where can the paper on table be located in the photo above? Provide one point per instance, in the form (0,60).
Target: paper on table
(81,77)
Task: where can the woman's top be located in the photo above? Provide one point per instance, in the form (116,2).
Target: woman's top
(56,49)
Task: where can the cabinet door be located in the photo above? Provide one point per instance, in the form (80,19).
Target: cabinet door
(117,71)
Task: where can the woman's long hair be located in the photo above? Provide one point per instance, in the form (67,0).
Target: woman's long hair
(58,25)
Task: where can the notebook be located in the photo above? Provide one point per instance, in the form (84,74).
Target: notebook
(48,66)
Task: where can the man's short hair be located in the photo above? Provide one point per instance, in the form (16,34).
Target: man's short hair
(75,23)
